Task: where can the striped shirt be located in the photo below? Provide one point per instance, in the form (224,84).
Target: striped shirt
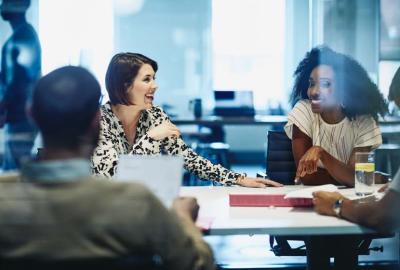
(338,139)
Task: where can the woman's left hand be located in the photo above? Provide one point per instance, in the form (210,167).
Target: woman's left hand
(308,162)
(258,182)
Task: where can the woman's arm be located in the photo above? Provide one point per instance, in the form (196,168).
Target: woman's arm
(104,159)
(306,157)
(301,143)
(199,165)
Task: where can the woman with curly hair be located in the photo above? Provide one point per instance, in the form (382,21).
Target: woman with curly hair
(336,107)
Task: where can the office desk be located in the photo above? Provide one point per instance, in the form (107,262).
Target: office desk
(390,126)
(212,121)
(226,220)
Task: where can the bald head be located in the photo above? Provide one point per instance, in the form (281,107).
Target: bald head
(64,106)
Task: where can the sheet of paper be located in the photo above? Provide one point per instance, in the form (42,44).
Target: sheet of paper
(161,174)
(307,192)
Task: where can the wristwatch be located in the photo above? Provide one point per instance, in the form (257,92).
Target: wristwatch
(337,207)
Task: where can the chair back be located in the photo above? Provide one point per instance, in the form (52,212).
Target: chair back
(280,163)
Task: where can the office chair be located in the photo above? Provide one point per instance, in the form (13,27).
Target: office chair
(281,167)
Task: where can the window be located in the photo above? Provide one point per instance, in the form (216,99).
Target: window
(76,33)
(248,41)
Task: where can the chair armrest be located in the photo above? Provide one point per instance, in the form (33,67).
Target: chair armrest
(262,175)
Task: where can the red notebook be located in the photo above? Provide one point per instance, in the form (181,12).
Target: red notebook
(267,200)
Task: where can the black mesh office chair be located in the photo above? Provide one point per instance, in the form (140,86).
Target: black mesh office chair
(280,163)
(281,167)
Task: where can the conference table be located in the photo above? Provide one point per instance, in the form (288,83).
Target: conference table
(220,219)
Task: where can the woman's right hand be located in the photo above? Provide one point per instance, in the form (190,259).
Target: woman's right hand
(164,130)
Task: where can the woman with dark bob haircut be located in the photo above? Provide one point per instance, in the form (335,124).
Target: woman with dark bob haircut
(336,106)
(131,124)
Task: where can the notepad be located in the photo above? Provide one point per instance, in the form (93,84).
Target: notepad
(161,174)
(306,193)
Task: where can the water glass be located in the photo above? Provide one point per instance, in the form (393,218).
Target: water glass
(364,173)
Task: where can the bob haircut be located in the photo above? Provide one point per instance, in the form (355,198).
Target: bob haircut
(357,94)
(121,73)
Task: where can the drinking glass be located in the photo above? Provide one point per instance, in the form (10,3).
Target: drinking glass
(364,173)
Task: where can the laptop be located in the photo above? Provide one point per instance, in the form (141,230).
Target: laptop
(161,174)
(234,103)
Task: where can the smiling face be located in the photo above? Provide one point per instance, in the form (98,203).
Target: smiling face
(321,89)
(143,88)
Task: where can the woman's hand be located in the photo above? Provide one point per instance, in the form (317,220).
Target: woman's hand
(164,130)
(308,162)
(257,182)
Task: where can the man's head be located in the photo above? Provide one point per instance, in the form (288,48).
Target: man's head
(65,107)
(13,8)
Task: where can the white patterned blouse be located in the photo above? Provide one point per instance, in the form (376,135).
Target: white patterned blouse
(113,143)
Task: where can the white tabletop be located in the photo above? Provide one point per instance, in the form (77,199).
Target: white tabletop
(226,220)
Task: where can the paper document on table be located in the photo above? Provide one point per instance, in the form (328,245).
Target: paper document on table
(307,192)
(161,174)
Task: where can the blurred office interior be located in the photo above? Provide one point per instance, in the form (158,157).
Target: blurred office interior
(207,45)
(203,46)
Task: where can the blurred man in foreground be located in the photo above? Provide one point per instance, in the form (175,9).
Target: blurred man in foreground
(58,211)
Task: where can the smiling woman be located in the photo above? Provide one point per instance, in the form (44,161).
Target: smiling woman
(131,124)
(335,110)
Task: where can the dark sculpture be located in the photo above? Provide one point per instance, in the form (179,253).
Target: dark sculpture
(20,69)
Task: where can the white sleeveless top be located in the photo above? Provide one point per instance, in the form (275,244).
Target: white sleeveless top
(339,139)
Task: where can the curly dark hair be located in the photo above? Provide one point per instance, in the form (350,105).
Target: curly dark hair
(357,94)
(394,89)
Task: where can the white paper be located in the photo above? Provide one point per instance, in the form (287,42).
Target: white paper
(307,192)
(161,174)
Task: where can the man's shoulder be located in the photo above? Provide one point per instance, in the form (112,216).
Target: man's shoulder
(120,190)
(10,177)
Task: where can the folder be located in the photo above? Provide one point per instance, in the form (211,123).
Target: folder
(260,200)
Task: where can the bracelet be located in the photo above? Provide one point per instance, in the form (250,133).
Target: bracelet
(337,207)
